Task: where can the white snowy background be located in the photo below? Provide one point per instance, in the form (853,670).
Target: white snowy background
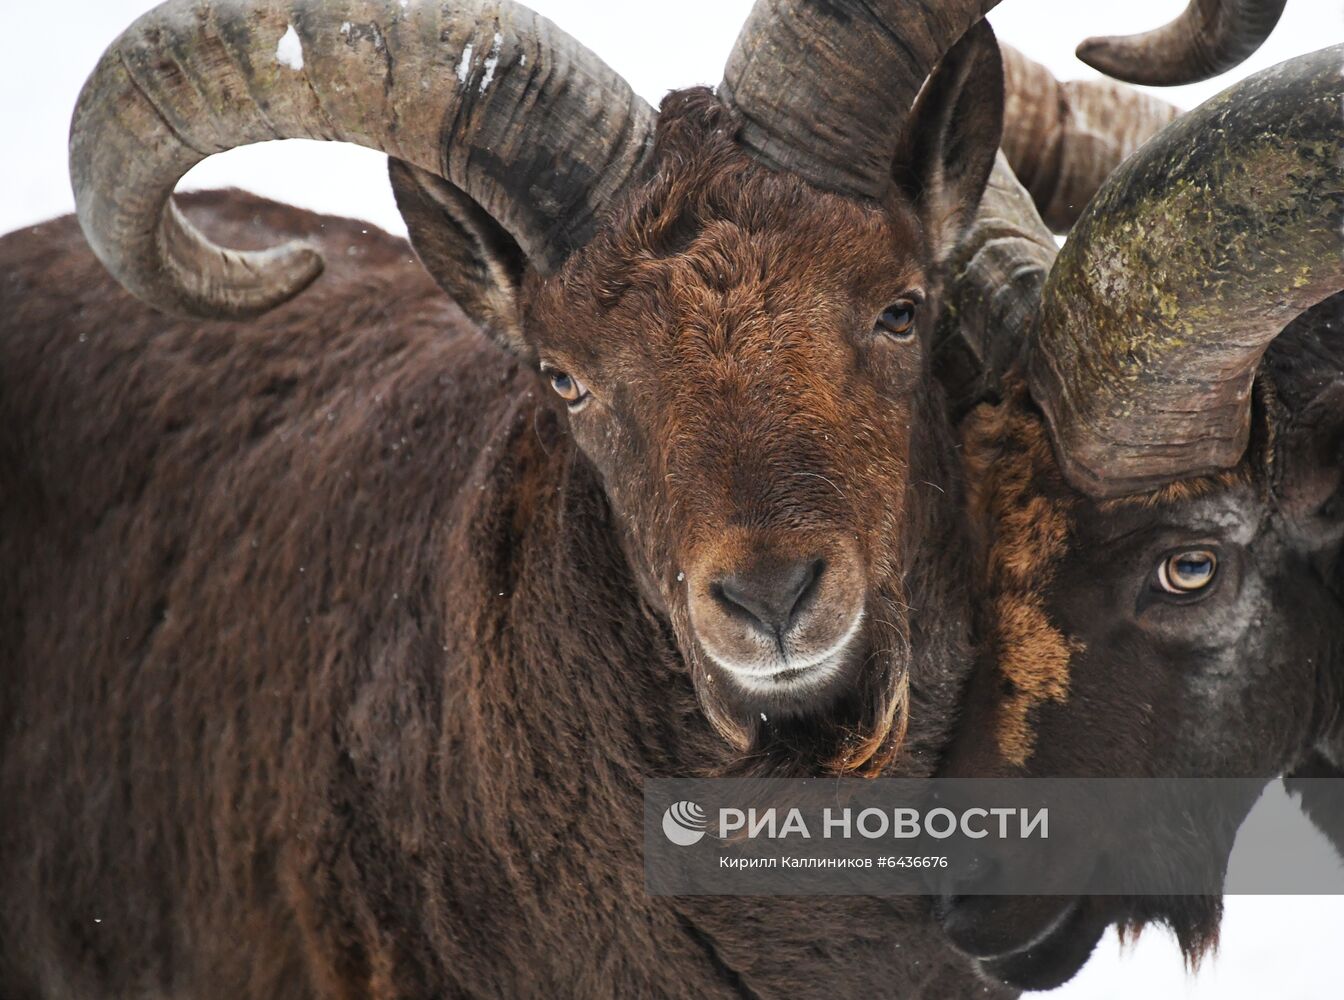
(1271,946)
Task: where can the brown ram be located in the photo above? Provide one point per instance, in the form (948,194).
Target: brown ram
(340,640)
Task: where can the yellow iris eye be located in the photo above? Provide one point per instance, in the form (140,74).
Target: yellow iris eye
(1187,572)
(898,320)
(570,389)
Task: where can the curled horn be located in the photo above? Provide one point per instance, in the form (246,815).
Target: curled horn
(482,93)
(1064,139)
(823,88)
(1208,38)
(1194,255)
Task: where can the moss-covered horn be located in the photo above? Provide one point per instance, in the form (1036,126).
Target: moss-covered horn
(1192,257)
(483,93)
(1209,37)
(824,88)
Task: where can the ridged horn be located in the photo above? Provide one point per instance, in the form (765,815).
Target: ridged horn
(1064,139)
(1194,255)
(824,87)
(993,291)
(1209,37)
(483,93)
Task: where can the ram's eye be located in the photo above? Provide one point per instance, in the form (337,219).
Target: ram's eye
(570,389)
(898,320)
(1187,572)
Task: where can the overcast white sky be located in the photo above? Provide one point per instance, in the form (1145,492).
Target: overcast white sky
(1284,947)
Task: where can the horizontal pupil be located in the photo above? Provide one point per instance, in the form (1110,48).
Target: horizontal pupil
(897,320)
(1194,570)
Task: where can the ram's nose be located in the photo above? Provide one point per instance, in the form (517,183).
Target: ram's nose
(777,611)
(771,594)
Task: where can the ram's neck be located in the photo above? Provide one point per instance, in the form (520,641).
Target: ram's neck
(575,678)
(938,576)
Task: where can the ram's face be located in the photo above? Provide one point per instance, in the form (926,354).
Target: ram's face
(739,361)
(1127,634)
(1176,633)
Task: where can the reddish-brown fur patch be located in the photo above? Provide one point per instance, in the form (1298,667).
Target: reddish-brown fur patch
(1015,491)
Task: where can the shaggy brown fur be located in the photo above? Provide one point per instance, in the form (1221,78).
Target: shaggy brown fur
(1016,490)
(334,668)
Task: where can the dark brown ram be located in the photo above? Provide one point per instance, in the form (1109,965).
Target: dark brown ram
(1163,498)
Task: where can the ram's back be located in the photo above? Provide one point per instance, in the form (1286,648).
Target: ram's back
(211,536)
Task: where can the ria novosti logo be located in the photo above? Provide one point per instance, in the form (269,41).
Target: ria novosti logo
(684,823)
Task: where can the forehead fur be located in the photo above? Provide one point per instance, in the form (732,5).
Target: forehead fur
(1183,491)
(711,221)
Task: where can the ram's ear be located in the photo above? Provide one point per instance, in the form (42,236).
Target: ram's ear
(1309,469)
(951,138)
(466,251)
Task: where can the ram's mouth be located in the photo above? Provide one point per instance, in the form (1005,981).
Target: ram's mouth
(1053,956)
(794,680)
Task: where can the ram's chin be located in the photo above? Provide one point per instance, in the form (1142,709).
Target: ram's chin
(1053,959)
(795,687)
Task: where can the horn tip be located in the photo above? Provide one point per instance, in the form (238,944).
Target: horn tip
(1110,55)
(1088,47)
(252,283)
(288,269)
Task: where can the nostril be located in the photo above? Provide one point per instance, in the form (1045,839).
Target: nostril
(810,580)
(734,599)
(772,595)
